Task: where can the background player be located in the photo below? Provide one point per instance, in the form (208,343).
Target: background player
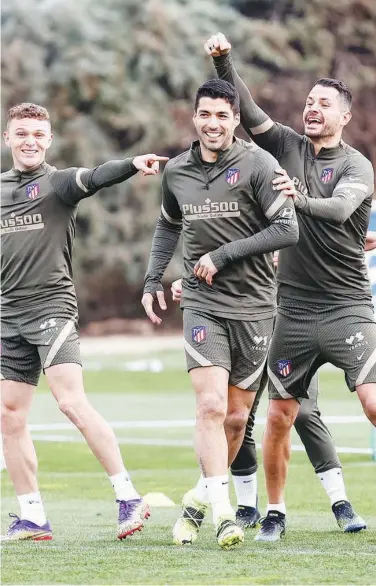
(319,446)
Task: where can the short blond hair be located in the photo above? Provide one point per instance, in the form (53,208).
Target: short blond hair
(28,110)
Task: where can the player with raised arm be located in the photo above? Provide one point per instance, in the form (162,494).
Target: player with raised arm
(219,194)
(39,313)
(325,312)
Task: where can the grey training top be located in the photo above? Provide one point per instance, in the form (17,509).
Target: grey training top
(38,218)
(231,211)
(335,189)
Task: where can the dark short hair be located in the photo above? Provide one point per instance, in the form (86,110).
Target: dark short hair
(27,110)
(219,88)
(342,89)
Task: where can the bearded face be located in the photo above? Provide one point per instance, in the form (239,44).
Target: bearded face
(325,113)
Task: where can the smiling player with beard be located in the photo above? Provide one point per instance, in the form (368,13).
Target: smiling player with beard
(325,311)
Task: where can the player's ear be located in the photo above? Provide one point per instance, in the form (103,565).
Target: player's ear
(6,138)
(237,120)
(346,118)
(50,140)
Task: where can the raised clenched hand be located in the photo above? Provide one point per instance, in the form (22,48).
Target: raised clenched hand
(217,45)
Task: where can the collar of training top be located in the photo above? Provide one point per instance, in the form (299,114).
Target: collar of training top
(33,173)
(222,155)
(327,153)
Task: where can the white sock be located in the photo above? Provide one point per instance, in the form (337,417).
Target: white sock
(32,508)
(246,490)
(123,487)
(332,481)
(201,491)
(219,497)
(281,507)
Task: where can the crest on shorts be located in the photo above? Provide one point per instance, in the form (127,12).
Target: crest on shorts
(32,190)
(327,174)
(232,176)
(199,333)
(284,367)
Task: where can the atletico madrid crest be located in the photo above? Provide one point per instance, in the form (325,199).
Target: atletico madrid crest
(32,190)
(199,333)
(284,367)
(232,176)
(326,174)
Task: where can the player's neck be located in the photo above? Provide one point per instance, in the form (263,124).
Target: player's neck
(325,142)
(208,156)
(23,169)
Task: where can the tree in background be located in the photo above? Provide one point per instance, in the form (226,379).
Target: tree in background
(119,78)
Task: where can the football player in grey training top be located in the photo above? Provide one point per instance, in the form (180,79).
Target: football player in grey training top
(220,194)
(325,312)
(39,313)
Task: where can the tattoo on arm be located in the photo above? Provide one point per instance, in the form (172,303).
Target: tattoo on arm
(202,467)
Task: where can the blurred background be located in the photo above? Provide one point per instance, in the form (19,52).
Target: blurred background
(119,78)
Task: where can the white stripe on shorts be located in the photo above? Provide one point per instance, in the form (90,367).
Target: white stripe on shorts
(370,362)
(278,385)
(247,382)
(59,342)
(196,355)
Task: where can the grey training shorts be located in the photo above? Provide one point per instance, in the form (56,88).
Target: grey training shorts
(240,347)
(307,335)
(37,338)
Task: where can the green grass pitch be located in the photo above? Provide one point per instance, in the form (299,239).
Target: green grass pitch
(81,508)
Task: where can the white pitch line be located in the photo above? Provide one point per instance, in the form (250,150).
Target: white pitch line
(122,440)
(172,443)
(180,423)
(118,425)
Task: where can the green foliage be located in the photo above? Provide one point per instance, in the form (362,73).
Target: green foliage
(119,78)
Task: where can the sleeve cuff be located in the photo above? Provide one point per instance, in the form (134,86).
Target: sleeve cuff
(219,258)
(300,201)
(222,60)
(152,286)
(132,168)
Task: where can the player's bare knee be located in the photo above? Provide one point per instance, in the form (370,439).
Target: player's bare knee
(367,396)
(280,416)
(236,421)
(370,410)
(13,421)
(209,408)
(75,408)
